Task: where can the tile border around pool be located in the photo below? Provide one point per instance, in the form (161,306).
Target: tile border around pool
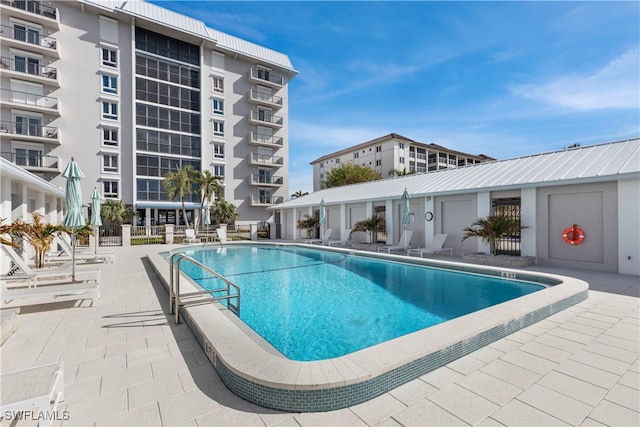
(262,376)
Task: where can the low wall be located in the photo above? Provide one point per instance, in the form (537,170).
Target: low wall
(499,260)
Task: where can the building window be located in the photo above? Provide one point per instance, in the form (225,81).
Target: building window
(110,84)
(218,151)
(110,137)
(401,160)
(218,84)
(378,148)
(356,155)
(26,33)
(338,160)
(401,145)
(109,110)
(110,189)
(218,128)
(110,163)
(218,106)
(378,162)
(26,64)
(218,170)
(109,57)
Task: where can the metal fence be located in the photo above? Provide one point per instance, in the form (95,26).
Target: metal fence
(147,235)
(510,207)
(110,235)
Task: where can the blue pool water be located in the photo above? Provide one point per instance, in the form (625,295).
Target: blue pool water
(313,304)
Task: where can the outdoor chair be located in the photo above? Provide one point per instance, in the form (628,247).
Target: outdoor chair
(403,243)
(344,242)
(435,246)
(325,237)
(190,236)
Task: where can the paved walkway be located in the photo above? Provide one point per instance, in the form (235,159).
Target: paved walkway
(126,363)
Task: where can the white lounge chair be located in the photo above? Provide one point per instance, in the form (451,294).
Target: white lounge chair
(344,242)
(325,237)
(190,236)
(83,290)
(49,275)
(38,389)
(222,234)
(435,246)
(64,242)
(403,243)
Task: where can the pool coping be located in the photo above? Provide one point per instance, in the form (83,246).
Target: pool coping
(252,369)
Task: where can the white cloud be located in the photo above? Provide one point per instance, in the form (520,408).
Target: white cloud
(616,85)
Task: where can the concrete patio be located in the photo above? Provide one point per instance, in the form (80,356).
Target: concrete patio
(127,363)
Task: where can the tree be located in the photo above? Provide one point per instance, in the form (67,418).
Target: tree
(209,185)
(371,225)
(493,229)
(309,223)
(350,173)
(115,211)
(17,228)
(299,193)
(224,212)
(179,185)
(39,234)
(403,172)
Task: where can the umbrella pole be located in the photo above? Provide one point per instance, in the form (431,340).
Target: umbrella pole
(73,254)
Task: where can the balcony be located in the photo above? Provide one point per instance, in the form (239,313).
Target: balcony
(266,181)
(265,160)
(257,97)
(20,67)
(33,11)
(261,117)
(265,201)
(265,77)
(265,140)
(29,132)
(24,100)
(24,39)
(33,161)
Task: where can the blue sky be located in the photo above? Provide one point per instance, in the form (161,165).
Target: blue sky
(504,79)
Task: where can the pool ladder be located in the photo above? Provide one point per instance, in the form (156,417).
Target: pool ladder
(231,289)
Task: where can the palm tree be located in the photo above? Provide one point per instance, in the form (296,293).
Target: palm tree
(224,212)
(371,225)
(115,211)
(179,185)
(210,186)
(17,228)
(299,193)
(309,223)
(492,229)
(39,234)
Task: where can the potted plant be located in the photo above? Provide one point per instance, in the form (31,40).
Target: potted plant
(372,226)
(309,224)
(493,230)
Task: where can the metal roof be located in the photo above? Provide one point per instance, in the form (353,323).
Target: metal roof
(18,174)
(609,161)
(168,18)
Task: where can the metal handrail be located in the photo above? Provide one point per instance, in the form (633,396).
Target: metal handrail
(174,295)
(23,36)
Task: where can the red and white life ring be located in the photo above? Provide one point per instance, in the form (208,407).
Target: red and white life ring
(573,235)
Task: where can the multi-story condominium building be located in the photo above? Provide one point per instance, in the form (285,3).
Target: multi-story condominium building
(391,155)
(134,91)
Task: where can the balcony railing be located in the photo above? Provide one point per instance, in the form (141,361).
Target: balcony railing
(260,116)
(261,138)
(33,7)
(265,97)
(267,180)
(27,37)
(29,99)
(29,68)
(19,128)
(267,76)
(32,160)
(266,200)
(421,156)
(265,159)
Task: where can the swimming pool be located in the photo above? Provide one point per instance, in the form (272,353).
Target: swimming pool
(253,369)
(313,305)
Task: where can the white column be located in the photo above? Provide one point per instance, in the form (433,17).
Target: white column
(5,199)
(344,233)
(40,203)
(429,226)
(628,227)
(390,219)
(528,218)
(294,224)
(21,211)
(484,210)
(147,217)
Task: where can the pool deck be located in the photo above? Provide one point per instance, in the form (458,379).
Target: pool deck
(127,363)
